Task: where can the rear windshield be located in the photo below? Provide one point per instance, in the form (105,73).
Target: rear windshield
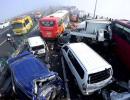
(48,23)
(17,25)
(38,47)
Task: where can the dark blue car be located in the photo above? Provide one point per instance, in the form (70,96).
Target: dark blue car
(32,79)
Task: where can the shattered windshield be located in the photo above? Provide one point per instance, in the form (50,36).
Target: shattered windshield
(17,25)
(38,47)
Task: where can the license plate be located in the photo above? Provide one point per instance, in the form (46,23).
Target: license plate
(48,33)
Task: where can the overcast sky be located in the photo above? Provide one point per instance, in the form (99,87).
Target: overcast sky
(108,8)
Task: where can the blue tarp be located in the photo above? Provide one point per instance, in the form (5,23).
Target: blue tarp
(25,68)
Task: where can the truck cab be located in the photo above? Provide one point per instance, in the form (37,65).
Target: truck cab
(22,25)
(95,29)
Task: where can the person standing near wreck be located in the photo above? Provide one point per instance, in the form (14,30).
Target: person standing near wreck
(11,40)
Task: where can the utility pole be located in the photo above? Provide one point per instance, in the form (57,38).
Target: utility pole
(95,9)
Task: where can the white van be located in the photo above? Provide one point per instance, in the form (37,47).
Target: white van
(37,45)
(90,70)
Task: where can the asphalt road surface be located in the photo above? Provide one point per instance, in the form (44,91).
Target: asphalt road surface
(6,49)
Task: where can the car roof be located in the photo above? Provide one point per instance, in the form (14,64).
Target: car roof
(26,67)
(88,57)
(59,14)
(35,41)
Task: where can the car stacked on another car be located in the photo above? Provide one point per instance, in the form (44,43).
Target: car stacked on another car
(91,71)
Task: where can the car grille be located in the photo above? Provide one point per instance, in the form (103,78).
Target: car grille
(99,76)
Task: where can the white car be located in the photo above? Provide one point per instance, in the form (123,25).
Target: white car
(90,71)
(37,45)
(3,25)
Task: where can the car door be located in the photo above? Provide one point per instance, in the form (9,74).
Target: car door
(76,69)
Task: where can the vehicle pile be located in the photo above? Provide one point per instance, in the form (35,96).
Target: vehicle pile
(46,65)
(32,77)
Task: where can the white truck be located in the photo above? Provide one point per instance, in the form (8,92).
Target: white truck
(94,29)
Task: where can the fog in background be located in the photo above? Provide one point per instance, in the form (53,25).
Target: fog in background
(107,8)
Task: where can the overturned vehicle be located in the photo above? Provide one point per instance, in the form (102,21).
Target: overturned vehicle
(32,79)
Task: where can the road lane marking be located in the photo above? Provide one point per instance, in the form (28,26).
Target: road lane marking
(4,31)
(35,28)
(2,42)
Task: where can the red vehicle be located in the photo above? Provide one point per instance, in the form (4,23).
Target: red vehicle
(121,36)
(53,25)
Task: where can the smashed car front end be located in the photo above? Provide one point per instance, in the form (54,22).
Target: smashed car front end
(47,88)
